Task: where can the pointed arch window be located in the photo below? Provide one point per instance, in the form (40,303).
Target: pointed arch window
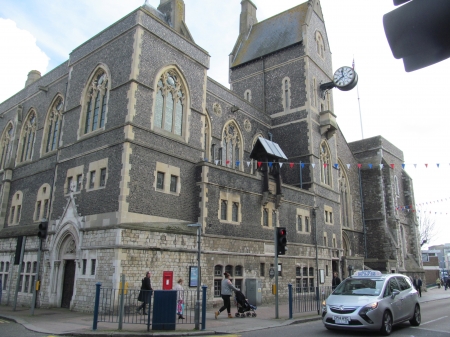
(320,45)
(207,139)
(325,167)
(231,146)
(53,125)
(16,209)
(170,103)
(27,138)
(344,190)
(286,94)
(97,102)
(5,144)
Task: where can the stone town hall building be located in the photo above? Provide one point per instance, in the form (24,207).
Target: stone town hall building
(128,141)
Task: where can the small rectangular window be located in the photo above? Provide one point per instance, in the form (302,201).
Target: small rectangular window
(69,182)
(299,223)
(12,214)
(92,180)
(79,182)
(173,183)
(19,209)
(262,269)
(274,219)
(103,177)
(93,262)
(5,280)
(220,156)
(160,180)
(33,278)
(307,224)
(84,267)
(37,215)
(324,240)
(223,210)
(46,208)
(266,217)
(34,267)
(331,217)
(235,212)
(326,216)
(326,270)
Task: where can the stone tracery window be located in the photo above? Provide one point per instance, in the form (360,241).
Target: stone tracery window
(5,144)
(231,146)
(344,190)
(170,103)
(320,45)
(325,161)
(27,138)
(97,101)
(53,125)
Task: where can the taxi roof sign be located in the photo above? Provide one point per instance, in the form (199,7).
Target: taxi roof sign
(367,273)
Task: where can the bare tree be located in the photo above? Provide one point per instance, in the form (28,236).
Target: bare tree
(427,228)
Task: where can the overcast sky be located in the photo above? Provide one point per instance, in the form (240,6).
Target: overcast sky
(405,108)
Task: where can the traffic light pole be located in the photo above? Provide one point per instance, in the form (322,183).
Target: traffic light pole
(276,272)
(36,279)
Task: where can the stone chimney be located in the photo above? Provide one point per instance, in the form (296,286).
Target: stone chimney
(248,16)
(33,76)
(174,11)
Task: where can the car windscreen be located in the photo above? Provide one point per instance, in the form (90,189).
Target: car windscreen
(360,287)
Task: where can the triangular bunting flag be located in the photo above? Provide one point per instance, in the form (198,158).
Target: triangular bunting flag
(325,165)
(248,163)
(281,165)
(437,165)
(227,162)
(303,165)
(291,165)
(348,166)
(313,165)
(392,165)
(426,165)
(370,166)
(270,164)
(415,165)
(359,166)
(403,166)
(259,164)
(205,159)
(237,163)
(336,166)
(381,166)
(216,161)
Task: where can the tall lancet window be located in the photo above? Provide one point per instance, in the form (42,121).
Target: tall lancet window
(53,125)
(325,161)
(344,191)
(170,103)
(97,102)
(231,146)
(5,144)
(286,94)
(27,137)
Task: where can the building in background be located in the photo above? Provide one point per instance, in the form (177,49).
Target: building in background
(129,141)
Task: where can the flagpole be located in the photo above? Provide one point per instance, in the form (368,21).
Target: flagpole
(359,104)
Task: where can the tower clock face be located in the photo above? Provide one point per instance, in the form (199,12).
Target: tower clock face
(345,78)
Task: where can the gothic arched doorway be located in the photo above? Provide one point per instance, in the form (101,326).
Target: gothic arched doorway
(68,256)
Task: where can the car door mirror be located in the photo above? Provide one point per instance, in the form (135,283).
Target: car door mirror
(395,292)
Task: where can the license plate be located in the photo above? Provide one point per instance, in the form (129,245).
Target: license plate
(341,319)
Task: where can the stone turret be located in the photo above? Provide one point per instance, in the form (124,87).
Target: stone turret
(33,76)
(248,16)
(174,11)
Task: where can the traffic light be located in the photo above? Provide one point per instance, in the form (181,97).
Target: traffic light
(417,32)
(43,227)
(281,241)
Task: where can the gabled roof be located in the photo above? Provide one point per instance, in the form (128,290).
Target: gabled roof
(272,34)
(268,147)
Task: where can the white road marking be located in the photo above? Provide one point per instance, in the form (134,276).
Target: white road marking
(434,320)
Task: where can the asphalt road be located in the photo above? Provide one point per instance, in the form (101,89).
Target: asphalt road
(435,323)
(11,329)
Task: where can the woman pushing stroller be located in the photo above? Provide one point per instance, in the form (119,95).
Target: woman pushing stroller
(226,290)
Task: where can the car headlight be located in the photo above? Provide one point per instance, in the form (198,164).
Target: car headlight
(366,309)
(324,306)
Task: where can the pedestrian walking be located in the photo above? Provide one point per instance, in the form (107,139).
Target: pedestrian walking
(226,290)
(145,294)
(180,298)
(335,281)
(438,282)
(418,285)
(447,283)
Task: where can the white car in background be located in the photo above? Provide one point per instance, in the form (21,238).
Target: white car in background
(370,300)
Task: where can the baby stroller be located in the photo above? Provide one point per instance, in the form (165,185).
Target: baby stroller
(244,308)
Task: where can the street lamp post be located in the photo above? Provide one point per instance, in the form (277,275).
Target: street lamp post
(197,303)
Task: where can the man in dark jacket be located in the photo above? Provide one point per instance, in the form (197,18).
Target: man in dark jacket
(145,293)
(335,281)
(418,285)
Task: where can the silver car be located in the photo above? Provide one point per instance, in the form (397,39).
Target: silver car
(370,300)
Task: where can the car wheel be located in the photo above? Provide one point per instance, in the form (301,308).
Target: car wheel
(386,324)
(416,319)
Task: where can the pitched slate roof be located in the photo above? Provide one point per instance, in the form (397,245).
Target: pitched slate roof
(272,34)
(269,147)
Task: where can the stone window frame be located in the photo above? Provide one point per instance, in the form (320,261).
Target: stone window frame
(15,212)
(180,86)
(232,146)
(334,241)
(314,100)
(72,176)
(270,207)
(52,126)
(27,138)
(168,171)
(325,239)
(328,215)
(320,44)
(345,197)
(238,279)
(218,276)
(209,149)
(93,90)
(5,265)
(305,214)
(230,198)
(248,95)
(325,158)
(286,94)
(87,266)
(95,168)
(5,144)
(28,274)
(42,206)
